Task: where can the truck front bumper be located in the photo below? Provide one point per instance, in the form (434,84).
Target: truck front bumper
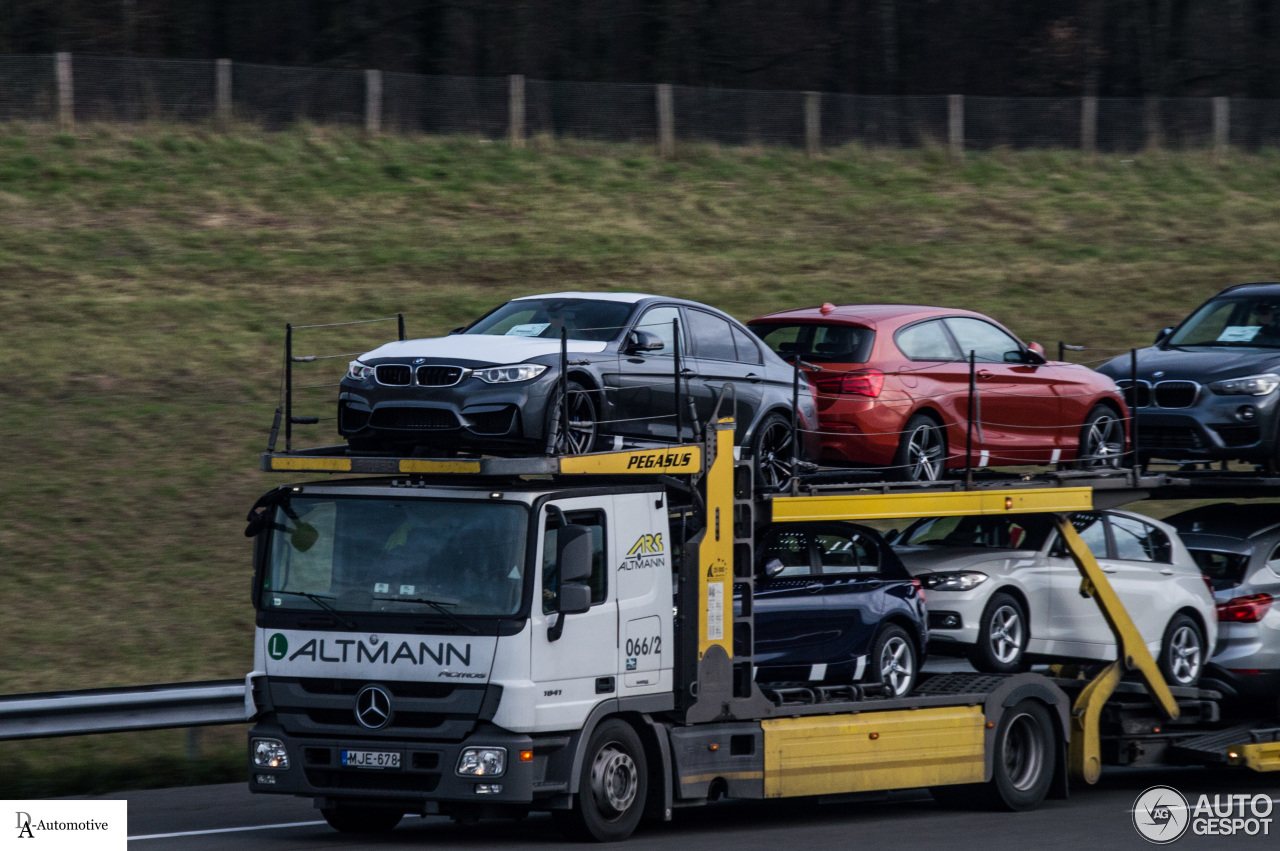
(427,771)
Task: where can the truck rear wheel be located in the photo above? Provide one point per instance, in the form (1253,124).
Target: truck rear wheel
(353,818)
(1022,766)
(612,788)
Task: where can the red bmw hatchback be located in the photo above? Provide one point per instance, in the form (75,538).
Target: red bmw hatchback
(893,391)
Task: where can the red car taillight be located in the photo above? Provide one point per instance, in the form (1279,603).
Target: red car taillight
(919,588)
(864,382)
(1249,609)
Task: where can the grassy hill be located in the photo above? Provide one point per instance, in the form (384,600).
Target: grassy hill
(146,275)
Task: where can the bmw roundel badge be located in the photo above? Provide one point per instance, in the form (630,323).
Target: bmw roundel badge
(417,361)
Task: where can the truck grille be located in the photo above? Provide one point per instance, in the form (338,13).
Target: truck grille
(1176,394)
(383,781)
(392,374)
(321,708)
(414,419)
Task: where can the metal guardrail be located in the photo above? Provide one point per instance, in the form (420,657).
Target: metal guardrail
(119,710)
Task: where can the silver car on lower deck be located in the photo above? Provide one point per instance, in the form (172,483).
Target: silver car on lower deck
(1238,549)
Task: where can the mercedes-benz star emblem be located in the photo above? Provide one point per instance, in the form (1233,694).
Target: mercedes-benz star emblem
(373,707)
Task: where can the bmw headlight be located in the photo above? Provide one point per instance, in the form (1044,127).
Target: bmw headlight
(960,580)
(359,371)
(270,753)
(510,374)
(1250,385)
(482,762)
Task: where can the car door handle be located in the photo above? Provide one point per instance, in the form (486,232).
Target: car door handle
(753,378)
(1108,570)
(985,374)
(1166,572)
(687,371)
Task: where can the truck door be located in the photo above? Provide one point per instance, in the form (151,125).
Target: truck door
(573,673)
(643,592)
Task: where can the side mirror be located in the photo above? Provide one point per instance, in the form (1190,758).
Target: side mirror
(643,341)
(1033,357)
(457,330)
(773,568)
(1163,333)
(573,556)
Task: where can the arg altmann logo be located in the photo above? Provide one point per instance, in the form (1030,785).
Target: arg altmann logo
(645,553)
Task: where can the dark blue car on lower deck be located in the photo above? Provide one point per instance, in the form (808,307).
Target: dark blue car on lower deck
(834,605)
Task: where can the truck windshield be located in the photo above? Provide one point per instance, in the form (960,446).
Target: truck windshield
(383,555)
(582,319)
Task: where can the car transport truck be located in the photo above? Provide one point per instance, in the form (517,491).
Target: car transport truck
(484,637)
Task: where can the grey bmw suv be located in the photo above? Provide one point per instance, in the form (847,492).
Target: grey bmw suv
(1206,390)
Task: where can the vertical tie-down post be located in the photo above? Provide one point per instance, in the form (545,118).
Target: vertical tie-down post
(1085,751)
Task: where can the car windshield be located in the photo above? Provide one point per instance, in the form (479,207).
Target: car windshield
(1251,321)
(1224,569)
(384,555)
(584,319)
(818,343)
(1023,532)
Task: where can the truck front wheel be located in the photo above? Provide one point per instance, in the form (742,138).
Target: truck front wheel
(353,818)
(611,789)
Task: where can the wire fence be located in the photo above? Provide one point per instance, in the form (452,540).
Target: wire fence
(65,89)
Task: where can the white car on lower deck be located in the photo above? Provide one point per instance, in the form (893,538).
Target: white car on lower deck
(1003,591)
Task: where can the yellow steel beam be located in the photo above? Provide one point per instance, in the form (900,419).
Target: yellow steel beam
(889,506)
(1085,751)
(328,465)
(423,465)
(715,548)
(676,459)
(1260,756)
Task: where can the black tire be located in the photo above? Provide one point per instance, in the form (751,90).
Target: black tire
(1023,764)
(1102,443)
(353,818)
(1182,651)
(1002,637)
(922,451)
(894,662)
(771,453)
(583,422)
(612,788)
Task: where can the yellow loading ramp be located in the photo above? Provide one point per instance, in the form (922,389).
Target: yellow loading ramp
(1084,752)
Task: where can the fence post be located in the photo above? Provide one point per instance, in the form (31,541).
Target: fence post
(515,111)
(222,92)
(1221,126)
(1089,124)
(66,98)
(666,122)
(372,101)
(812,123)
(955,125)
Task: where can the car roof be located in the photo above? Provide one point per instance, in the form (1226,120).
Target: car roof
(1252,288)
(628,298)
(1228,519)
(869,315)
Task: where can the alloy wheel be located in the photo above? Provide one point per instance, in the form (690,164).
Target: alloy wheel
(581,434)
(1103,442)
(773,451)
(1185,655)
(1006,634)
(925,454)
(896,666)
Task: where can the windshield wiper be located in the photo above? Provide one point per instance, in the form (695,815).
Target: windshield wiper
(322,602)
(439,606)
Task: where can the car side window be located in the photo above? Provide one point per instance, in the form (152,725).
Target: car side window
(744,343)
(1091,529)
(791,548)
(712,335)
(657,320)
(847,553)
(1138,541)
(926,341)
(987,342)
(1273,561)
(593,520)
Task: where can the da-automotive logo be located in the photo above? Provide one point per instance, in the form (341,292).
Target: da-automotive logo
(277,646)
(373,707)
(24,826)
(1161,815)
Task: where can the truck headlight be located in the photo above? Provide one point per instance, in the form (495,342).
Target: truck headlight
(1249,385)
(270,753)
(960,580)
(482,762)
(510,374)
(358,371)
